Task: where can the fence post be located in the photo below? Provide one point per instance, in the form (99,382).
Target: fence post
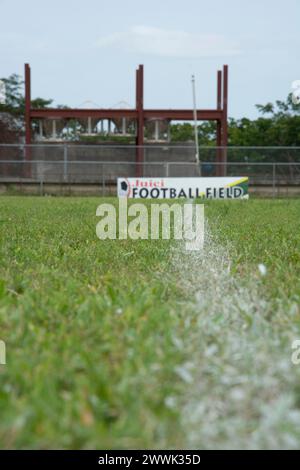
(274,179)
(167,169)
(41,187)
(103,180)
(65,162)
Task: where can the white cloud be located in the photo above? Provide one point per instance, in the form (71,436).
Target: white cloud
(170,43)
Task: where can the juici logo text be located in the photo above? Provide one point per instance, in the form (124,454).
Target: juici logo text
(154,221)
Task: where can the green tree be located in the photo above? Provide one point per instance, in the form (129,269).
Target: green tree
(14,100)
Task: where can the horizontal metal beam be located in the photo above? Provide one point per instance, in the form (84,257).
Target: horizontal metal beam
(183,114)
(171,114)
(83,113)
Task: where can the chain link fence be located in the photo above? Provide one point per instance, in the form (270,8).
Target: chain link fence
(273,170)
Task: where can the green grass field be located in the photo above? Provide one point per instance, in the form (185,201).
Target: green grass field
(137,344)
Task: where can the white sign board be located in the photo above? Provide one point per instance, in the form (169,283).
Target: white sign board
(235,187)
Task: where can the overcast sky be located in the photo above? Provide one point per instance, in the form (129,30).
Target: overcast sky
(88,50)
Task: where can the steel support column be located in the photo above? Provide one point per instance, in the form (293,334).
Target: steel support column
(224,121)
(27,169)
(140,120)
(219,123)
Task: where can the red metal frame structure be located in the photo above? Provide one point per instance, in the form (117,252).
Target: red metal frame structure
(140,115)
